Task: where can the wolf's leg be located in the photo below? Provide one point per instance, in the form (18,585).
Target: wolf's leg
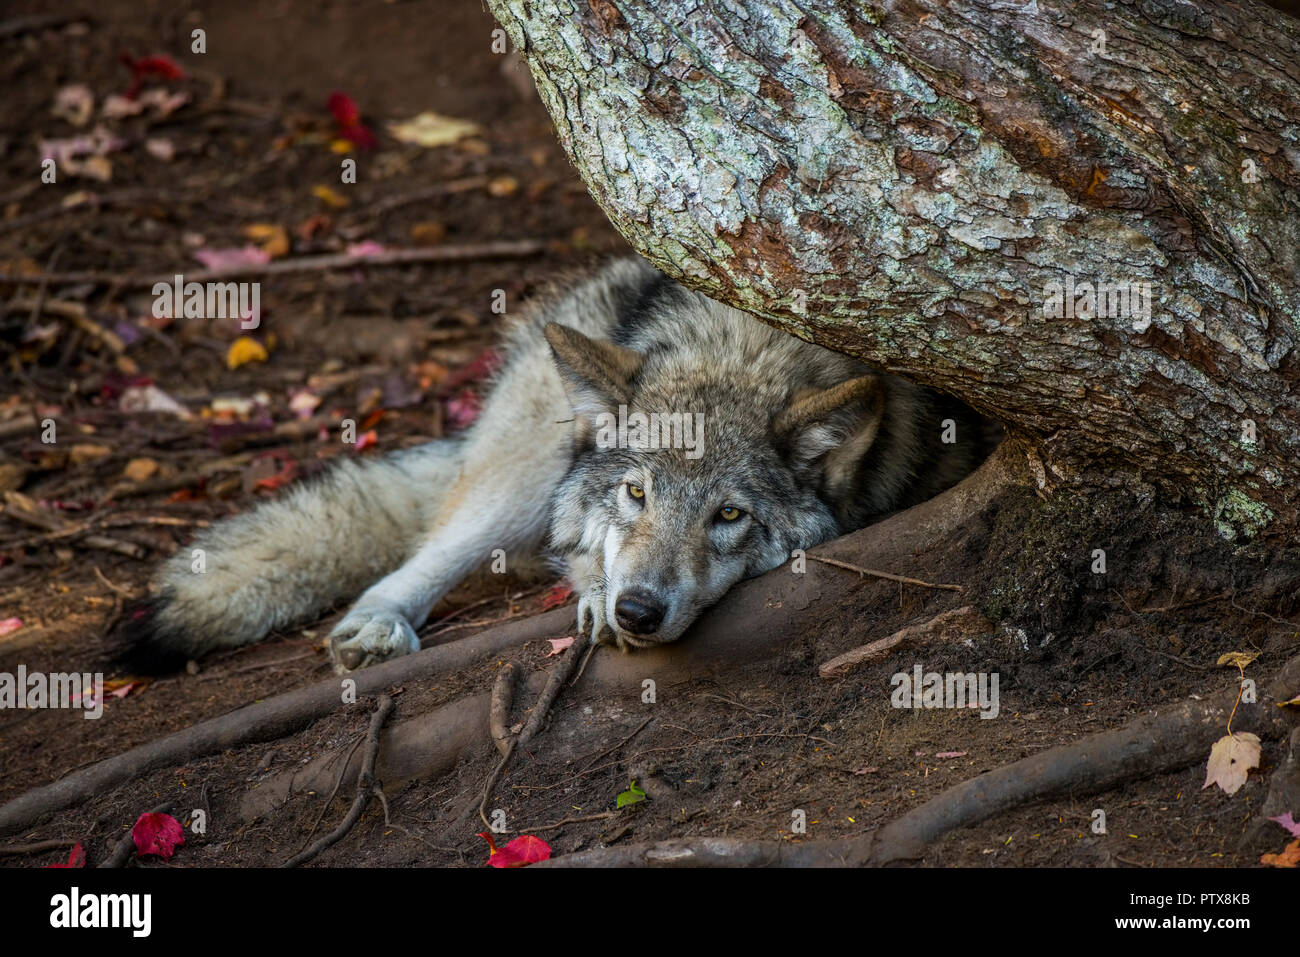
(588,577)
(513,458)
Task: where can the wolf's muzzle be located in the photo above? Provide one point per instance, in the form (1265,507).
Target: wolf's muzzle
(638,612)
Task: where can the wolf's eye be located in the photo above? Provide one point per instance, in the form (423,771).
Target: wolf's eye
(636,491)
(729,513)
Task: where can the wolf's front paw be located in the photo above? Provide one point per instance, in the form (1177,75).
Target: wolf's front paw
(367,637)
(592,605)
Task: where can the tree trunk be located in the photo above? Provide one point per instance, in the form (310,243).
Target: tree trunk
(931,187)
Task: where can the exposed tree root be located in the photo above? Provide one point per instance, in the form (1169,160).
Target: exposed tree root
(559,674)
(37,847)
(365,787)
(753,620)
(270,719)
(1153,744)
(503,697)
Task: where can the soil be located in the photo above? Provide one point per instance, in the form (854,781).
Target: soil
(401,349)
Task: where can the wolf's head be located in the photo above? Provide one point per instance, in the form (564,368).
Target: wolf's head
(698,463)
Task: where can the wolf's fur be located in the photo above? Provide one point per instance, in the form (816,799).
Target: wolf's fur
(800,445)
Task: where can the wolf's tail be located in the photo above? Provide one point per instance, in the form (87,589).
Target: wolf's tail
(286,560)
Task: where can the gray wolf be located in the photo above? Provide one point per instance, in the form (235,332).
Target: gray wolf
(657,445)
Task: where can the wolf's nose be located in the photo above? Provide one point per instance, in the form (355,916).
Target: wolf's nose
(638,613)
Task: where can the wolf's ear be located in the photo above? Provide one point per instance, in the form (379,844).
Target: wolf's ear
(839,423)
(597,375)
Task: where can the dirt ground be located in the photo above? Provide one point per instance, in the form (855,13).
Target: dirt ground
(400,349)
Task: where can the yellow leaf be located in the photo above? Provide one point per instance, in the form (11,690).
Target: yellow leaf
(432,129)
(1237,659)
(273,238)
(329,197)
(1231,759)
(503,186)
(244,350)
(341,146)
(1290,857)
(137,470)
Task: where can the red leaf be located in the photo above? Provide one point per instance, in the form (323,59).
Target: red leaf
(557,596)
(463,408)
(348,118)
(482,366)
(156,67)
(76,857)
(158,834)
(520,852)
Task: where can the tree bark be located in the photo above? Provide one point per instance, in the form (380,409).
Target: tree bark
(910,182)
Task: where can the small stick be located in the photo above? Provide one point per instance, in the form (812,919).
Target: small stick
(505,249)
(603,816)
(365,786)
(878,574)
(21,512)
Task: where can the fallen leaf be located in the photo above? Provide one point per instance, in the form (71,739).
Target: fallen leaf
(271,471)
(84,452)
(432,129)
(156,67)
(74,103)
(137,470)
(272,238)
(1231,759)
(520,852)
(558,645)
(556,597)
(1290,856)
(164,102)
(76,858)
(158,834)
(219,259)
(117,107)
(312,225)
(9,625)
(503,186)
(633,795)
(1237,659)
(1285,820)
(951,754)
(245,349)
(303,402)
(150,398)
(364,249)
(428,234)
(348,118)
(160,148)
(463,408)
(330,197)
